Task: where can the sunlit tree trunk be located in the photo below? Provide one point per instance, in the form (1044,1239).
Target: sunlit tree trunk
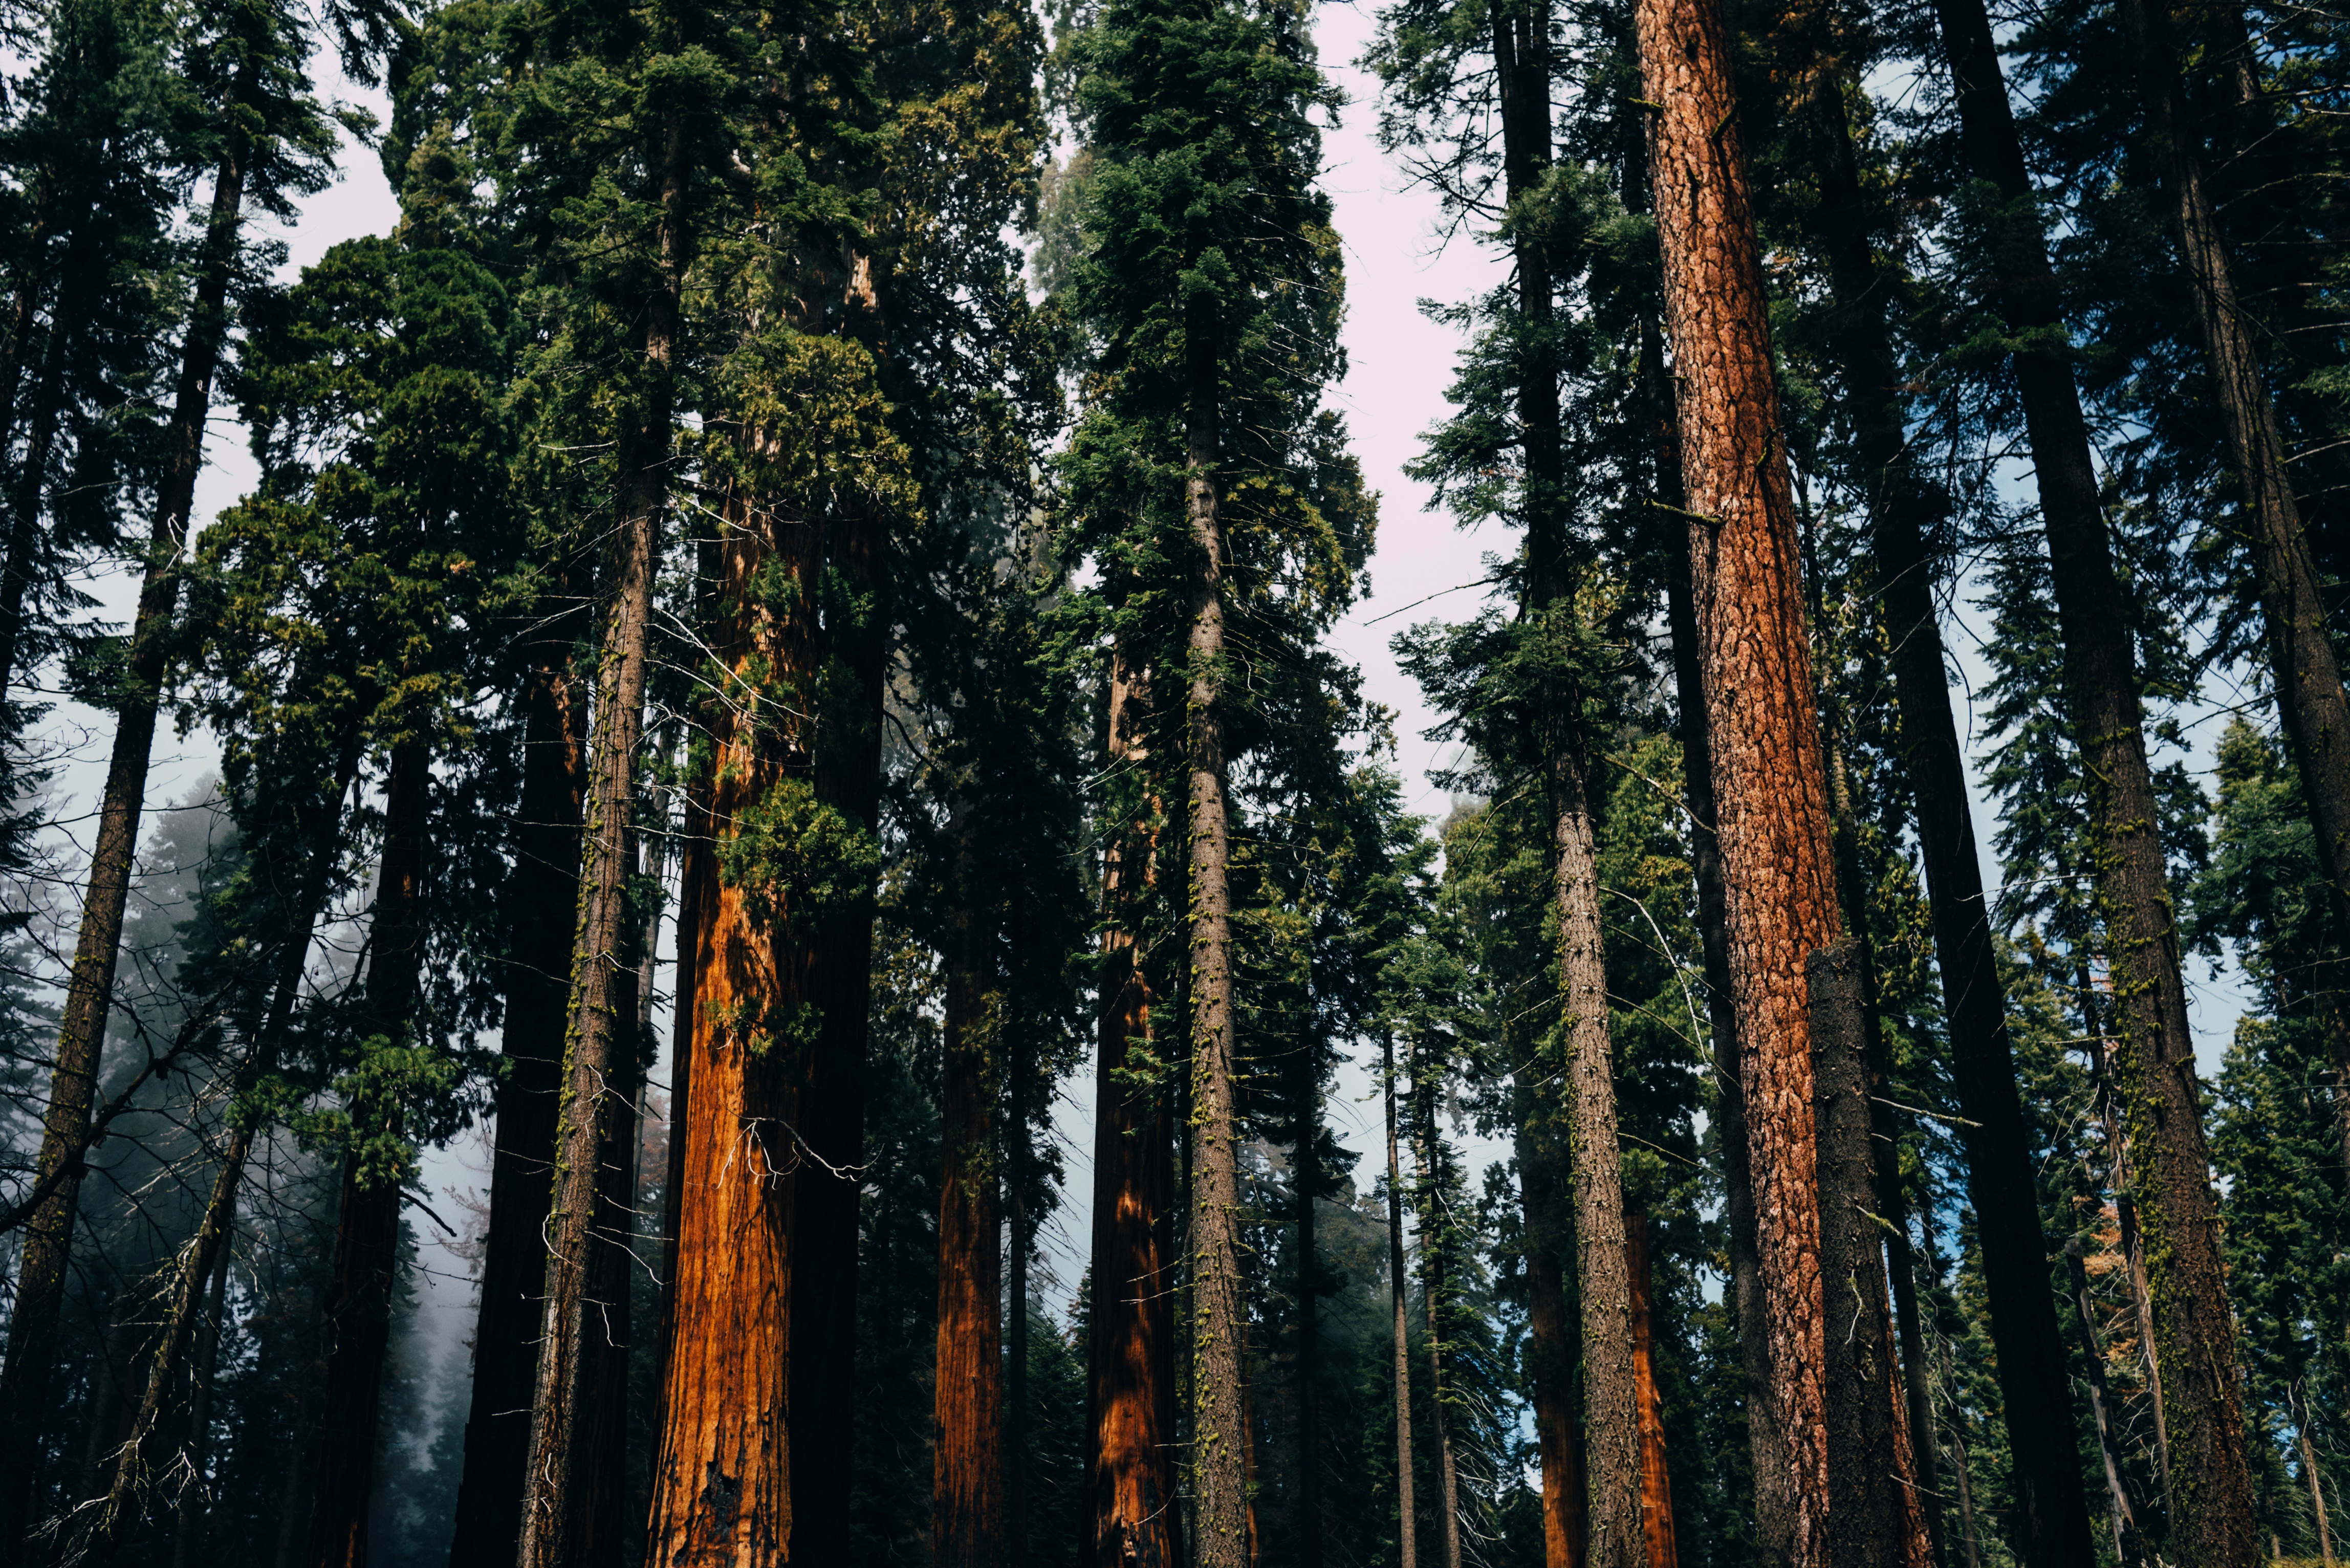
(1656,1481)
(1772,822)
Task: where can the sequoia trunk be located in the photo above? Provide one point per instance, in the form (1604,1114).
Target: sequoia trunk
(1772,824)
(1656,1481)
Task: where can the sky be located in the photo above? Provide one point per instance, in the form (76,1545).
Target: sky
(1398,365)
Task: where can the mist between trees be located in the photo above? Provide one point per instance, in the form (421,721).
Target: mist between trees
(861,489)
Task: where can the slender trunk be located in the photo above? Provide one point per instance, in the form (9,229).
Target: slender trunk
(102,1530)
(546,886)
(1015,1372)
(1433,1290)
(2133,1255)
(188,1528)
(1306,1161)
(1130,1321)
(967,1454)
(1656,1481)
(1551,1338)
(1873,1506)
(600,1502)
(1611,1403)
(1766,1443)
(2051,1508)
(2155,1051)
(596,1043)
(2123,1517)
(2307,674)
(1218,1305)
(45,1261)
(2310,1473)
(367,1237)
(1406,1516)
(1772,824)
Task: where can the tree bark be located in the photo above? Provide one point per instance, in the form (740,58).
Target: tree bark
(1611,1401)
(366,1236)
(1131,1326)
(1656,1481)
(2195,1333)
(599,1043)
(1407,1515)
(2123,1517)
(2308,674)
(1218,1305)
(1550,1339)
(1773,823)
(1307,1163)
(967,1452)
(514,1266)
(1766,1443)
(44,1265)
(1873,1503)
(188,1528)
(2051,1506)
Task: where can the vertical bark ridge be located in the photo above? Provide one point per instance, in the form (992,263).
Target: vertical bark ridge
(1772,822)
(1656,1481)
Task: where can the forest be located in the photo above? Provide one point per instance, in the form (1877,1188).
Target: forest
(798,935)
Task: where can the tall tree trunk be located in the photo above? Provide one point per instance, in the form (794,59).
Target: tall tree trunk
(1773,823)
(967,1454)
(101,1531)
(1551,1339)
(1766,1443)
(2123,1517)
(1307,1163)
(2307,673)
(1874,1505)
(1015,1371)
(2051,1506)
(1407,1515)
(598,1040)
(366,1236)
(49,1239)
(1656,1481)
(2132,1252)
(188,1528)
(2195,1333)
(545,890)
(1130,1320)
(1218,1307)
(762,1332)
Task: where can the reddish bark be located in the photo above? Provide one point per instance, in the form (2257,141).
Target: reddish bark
(967,1455)
(1772,821)
(1656,1484)
(1129,1360)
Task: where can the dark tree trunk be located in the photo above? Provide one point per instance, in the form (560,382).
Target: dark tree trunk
(1306,1161)
(187,1528)
(542,895)
(1771,817)
(967,1453)
(2155,1053)
(599,1043)
(367,1238)
(44,1263)
(1015,1372)
(2034,1394)
(1130,1322)
(1407,1515)
(1873,1506)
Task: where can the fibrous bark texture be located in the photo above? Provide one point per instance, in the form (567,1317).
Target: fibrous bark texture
(1219,1305)
(1130,1331)
(2154,1051)
(43,1263)
(967,1452)
(2052,1508)
(1656,1481)
(546,896)
(1611,1402)
(1874,1505)
(1773,823)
